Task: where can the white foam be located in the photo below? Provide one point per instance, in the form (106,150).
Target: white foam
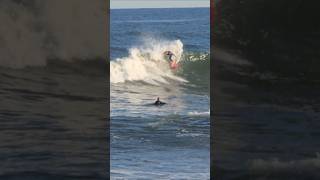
(196,113)
(136,174)
(308,166)
(33,32)
(147,63)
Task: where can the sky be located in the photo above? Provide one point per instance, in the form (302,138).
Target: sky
(124,4)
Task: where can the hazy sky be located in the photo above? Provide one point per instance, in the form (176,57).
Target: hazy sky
(116,4)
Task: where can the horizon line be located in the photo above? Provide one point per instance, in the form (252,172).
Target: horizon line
(160,7)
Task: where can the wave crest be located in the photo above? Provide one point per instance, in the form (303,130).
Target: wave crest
(147,63)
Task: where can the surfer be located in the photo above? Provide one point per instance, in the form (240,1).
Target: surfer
(170,55)
(158,102)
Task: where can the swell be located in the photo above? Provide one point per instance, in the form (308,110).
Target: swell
(38,95)
(30,175)
(195,65)
(87,67)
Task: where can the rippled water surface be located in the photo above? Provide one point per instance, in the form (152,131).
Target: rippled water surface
(52,124)
(170,141)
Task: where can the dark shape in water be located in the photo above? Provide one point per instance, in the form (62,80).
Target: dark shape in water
(158,102)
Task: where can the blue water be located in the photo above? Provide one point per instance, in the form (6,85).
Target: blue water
(171,141)
(129,26)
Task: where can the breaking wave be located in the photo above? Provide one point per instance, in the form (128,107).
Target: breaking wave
(32,31)
(147,64)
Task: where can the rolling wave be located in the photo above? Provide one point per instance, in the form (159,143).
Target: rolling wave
(147,64)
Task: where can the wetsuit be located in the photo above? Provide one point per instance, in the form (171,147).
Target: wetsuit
(158,102)
(170,54)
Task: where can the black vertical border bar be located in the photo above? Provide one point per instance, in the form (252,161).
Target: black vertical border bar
(108,85)
(212,12)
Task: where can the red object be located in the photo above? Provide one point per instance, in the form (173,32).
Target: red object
(173,65)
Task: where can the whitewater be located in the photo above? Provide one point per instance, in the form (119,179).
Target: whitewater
(147,63)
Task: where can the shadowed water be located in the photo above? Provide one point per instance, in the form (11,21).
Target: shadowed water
(52,125)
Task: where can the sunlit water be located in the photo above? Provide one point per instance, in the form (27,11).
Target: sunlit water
(171,141)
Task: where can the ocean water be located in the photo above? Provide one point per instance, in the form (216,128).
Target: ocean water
(53,90)
(265,126)
(266,91)
(171,141)
(52,127)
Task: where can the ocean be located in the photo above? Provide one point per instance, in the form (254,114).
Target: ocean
(53,90)
(170,141)
(266,90)
(53,127)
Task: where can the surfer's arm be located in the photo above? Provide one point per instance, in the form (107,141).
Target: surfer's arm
(171,57)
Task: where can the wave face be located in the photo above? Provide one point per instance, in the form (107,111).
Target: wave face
(147,63)
(32,31)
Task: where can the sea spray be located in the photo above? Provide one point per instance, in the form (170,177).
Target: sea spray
(32,31)
(147,63)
